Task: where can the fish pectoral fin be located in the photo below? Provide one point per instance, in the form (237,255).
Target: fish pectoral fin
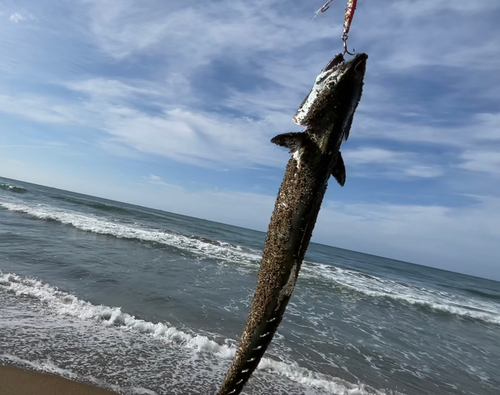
(292,141)
(338,171)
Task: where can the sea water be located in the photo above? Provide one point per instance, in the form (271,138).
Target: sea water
(144,301)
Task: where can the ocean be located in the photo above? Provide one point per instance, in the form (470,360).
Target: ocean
(144,301)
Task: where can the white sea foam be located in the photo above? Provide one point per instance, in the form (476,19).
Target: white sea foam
(376,287)
(371,286)
(63,303)
(49,367)
(318,380)
(358,282)
(42,366)
(219,250)
(67,304)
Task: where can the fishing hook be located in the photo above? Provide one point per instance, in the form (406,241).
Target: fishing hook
(346,51)
(349,14)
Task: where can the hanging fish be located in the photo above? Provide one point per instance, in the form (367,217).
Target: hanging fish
(327,114)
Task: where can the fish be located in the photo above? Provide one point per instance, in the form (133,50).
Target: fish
(327,114)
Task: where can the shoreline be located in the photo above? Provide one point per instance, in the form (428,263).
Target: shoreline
(18,381)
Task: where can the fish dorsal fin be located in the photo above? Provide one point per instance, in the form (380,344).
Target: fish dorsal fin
(338,171)
(293,141)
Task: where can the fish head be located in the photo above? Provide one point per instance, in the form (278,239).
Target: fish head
(328,110)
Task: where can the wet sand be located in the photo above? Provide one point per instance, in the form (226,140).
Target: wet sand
(16,381)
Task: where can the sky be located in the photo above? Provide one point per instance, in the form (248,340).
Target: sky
(172,105)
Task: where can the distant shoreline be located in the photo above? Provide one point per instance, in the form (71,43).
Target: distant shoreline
(18,381)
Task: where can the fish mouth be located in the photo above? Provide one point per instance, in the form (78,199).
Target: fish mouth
(360,63)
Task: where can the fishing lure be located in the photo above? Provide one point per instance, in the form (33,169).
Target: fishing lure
(349,15)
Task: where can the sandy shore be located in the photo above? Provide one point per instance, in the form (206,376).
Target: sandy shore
(16,381)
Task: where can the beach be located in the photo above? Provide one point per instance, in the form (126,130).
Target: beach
(17,381)
(147,302)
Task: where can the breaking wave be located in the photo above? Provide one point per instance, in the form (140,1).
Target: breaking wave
(106,207)
(200,246)
(420,297)
(12,188)
(66,304)
(354,282)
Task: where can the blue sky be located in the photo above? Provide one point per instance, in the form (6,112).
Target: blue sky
(171,105)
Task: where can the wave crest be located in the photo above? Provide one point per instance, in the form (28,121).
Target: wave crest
(13,188)
(64,303)
(425,298)
(355,282)
(199,246)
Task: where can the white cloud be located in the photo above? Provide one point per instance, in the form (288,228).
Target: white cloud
(369,155)
(45,110)
(201,31)
(425,34)
(196,138)
(475,130)
(488,126)
(185,39)
(37,144)
(155,179)
(102,88)
(447,237)
(410,10)
(421,171)
(481,161)
(251,210)
(16,17)
(382,163)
